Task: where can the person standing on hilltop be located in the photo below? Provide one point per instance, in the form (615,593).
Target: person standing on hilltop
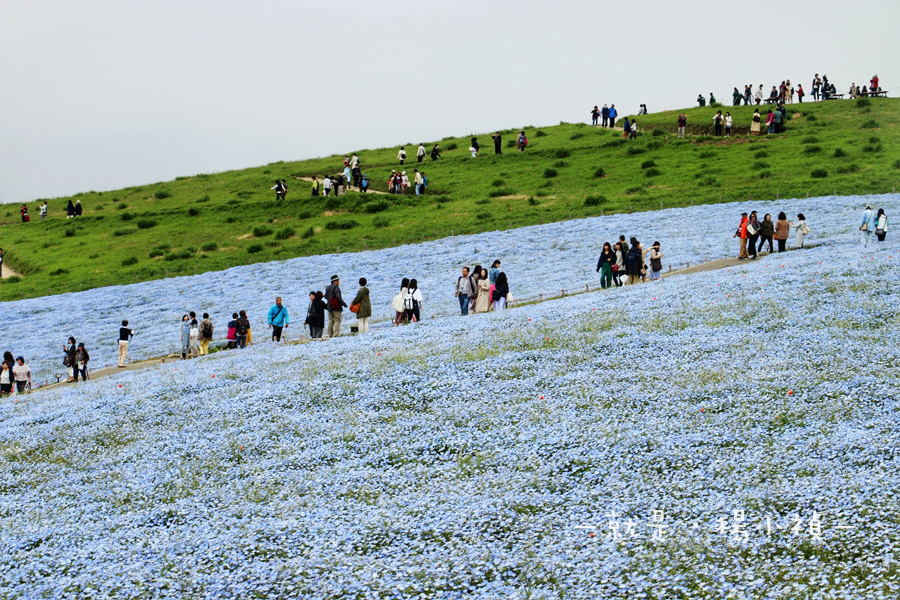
(336,305)
(755,122)
(24,211)
(125,335)
(604,116)
(70,210)
(401,156)
(521,141)
(613,113)
(476,146)
(44,210)
(759,95)
(497,145)
(701,101)
(682,125)
(712,99)
(728,122)
(277,319)
(717,121)
(79,210)
(595,115)
(736,97)
(420,153)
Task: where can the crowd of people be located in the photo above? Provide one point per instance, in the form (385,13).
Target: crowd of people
(620,259)
(751,231)
(606,116)
(482,290)
(14,373)
(820,89)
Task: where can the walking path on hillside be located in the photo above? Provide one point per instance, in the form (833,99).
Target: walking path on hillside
(349,187)
(712,265)
(7,272)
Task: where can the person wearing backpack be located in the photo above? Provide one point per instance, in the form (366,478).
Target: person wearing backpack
(205,334)
(362,305)
(364,184)
(242,328)
(521,141)
(336,305)
(278,319)
(231,336)
(634,262)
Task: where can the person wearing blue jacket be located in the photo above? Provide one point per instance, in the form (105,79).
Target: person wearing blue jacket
(277,319)
(613,113)
(867,225)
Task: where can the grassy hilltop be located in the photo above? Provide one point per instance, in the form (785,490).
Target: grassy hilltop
(207,222)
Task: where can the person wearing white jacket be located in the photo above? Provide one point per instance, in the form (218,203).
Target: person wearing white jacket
(881,225)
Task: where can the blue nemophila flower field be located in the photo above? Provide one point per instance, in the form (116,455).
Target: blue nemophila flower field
(475,456)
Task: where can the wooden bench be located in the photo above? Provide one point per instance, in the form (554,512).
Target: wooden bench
(879,94)
(835,97)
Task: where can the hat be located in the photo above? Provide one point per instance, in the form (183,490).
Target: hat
(404,173)
(334,278)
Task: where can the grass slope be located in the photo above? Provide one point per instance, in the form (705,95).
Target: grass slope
(208,222)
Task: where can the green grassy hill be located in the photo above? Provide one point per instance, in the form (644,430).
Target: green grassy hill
(207,222)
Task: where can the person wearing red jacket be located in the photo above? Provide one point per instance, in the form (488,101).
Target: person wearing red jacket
(873,84)
(742,233)
(682,123)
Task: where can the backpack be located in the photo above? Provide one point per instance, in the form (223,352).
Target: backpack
(409,303)
(206,330)
(242,326)
(333,304)
(634,259)
(365,183)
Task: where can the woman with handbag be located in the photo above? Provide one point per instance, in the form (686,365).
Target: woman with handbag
(655,262)
(802,229)
(362,306)
(398,301)
(618,267)
(69,359)
(501,292)
(483,300)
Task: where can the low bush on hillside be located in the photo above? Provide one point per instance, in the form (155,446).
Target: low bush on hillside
(376,206)
(563,153)
(550,173)
(126,216)
(178,255)
(501,192)
(162,194)
(121,232)
(812,149)
(539,133)
(131,260)
(810,139)
(819,174)
(285,233)
(648,163)
(342,224)
(308,233)
(262,231)
(209,247)
(635,150)
(594,200)
(254,248)
(193,212)
(652,172)
(839,153)
(577,135)
(381,221)
(560,164)
(870,124)
(863,102)
(599,172)
(146,223)
(760,154)
(847,169)
(658,132)
(498,183)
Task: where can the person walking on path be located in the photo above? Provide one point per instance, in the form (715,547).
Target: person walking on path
(78,208)
(195,335)
(81,361)
(418,299)
(501,292)
(365,306)
(613,113)
(231,335)
(483,299)
(44,210)
(278,190)
(326,185)
(397,302)
(125,335)
(465,288)
(22,375)
(755,122)
(205,334)
(401,155)
(867,225)
(782,229)
(7,378)
(881,225)
(605,265)
(70,210)
(802,229)
(753,226)
(417,182)
(595,115)
(655,262)
(626,128)
(242,329)
(742,234)
(618,267)
(682,125)
(336,306)
(315,186)
(420,153)
(435,152)
(315,315)
(778,120)
(185,336)
(277,319)
(766,233)
(717,121)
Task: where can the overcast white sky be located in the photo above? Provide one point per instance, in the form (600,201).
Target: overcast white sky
(103,94)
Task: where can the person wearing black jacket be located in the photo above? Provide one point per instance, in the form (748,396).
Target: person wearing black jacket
(69,359)
(634,262)
(242,325)
(497,146)
(501,291)
(336,305)
(81,360)
(607,260)
(315,315)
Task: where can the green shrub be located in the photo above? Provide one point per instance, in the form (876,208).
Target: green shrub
(245,194)
(451,146)
(563,153)
(306,214)
(539,133)
(99,207)
(707,154)
(342,224)
(483,215)
(498,183)
(599,172)
(376,206)
(126,216)
(209,247)
(532,201)
(657,132)
(193,212)
(58,272)
(285,233)
(146,223)
(810,139)
(380,222)
(871,148)
(812,149)
(121,232)
(819,174)
(635,150)
(131,260)
(839,153)
(897,164)
(652,172)
(262,231)
(501,192)
(810,117)
(760,165)
(121,206)
(764,174)
(13,279)
(308,233)
(162,194)
(333,203)
(204,198)
(846,169)
(760,154)
(709,181)
(482,201)
(510,143)
(541,194)
(648,163)
(550,173)
(159,250)
(634,190)
(862,102)
(594,200)
(273,244)
(576,135)
(870,124)
(561,164)
(254,248)
(614,143)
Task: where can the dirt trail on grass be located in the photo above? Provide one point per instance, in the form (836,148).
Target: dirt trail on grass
(711,265)
(7,272)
